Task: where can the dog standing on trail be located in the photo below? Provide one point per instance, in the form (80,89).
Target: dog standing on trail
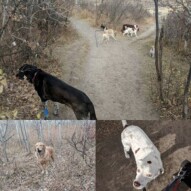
(51,88)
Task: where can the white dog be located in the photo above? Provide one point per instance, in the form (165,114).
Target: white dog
(105,37)
(130,31)
(147,156)
(152,52)
(108,33)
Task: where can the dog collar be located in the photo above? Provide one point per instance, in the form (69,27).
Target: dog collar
(34,76)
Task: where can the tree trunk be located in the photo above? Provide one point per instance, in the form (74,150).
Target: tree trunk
(4,16)
(160,63)
(41,132)
(5,152)
(157,64)
(18,133)
(26,139)
(96,18)
(186,92)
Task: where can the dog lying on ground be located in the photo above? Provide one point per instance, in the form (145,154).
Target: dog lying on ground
(44,155)
(108,33)
(51,88)
(147,156)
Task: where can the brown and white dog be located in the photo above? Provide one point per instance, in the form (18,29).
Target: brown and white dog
(44,155)
(125,26)
(108,33)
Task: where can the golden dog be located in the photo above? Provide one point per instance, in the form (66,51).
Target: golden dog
(44,155)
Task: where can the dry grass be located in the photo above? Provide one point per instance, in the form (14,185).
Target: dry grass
(175,71)
(85,14)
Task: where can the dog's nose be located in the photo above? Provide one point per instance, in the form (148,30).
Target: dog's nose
(39,150)
(136,184)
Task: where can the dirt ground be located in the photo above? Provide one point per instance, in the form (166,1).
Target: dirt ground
(112,74)
(116,173)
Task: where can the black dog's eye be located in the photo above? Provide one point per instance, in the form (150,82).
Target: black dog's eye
(149,162)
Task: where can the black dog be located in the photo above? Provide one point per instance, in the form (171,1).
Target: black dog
(51,88)
(103,27)
(185,172)
(183,175)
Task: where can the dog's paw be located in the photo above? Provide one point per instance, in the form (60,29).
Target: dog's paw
(127,155)
(46,113)
(55,112)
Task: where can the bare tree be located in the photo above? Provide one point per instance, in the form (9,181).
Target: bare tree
(30,26)
(82,144)
(24,135)
(4,138)
(179,36)
(158,64)
(186,95)
(18,133)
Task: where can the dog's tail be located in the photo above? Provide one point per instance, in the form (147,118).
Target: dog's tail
(125,124)
(92,111)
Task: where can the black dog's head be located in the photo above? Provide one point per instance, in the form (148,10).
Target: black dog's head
(103,27)
(186,172)
(28,71)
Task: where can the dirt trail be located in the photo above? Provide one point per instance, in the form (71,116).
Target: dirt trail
(112,74)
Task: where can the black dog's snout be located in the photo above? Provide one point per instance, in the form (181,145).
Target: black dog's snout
(136,184)
(20,75)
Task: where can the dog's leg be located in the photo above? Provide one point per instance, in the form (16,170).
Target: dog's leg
(45,109)
(78,115)
(103,39)
(126,151)
(42,168)
(113,37)
(46,171)
(126,148)
(56,108)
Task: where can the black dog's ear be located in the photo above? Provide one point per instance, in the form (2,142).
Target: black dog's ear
(25,67)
